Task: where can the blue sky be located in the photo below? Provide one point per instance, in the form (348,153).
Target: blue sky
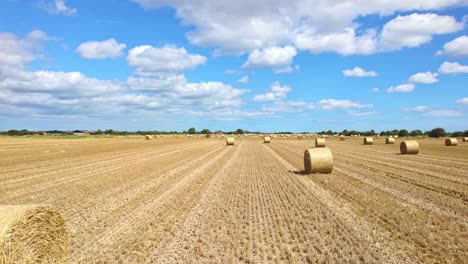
(267,65)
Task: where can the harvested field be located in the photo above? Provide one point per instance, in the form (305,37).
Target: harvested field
(130,200)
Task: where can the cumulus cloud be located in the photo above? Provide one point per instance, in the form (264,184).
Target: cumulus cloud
(453,68)
(455,48)
(359,72)
(58,7)
(402,88)
(424,77)
(101,49)
(277,58)
(244,79)
(314,25)
(168,59)
(463,101)
(277,92)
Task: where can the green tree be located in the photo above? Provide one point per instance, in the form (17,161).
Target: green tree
(205,131)
(437,132)
(192,130)
(239,131)
(457,134)
(415,133)
(403,133)
(465,134)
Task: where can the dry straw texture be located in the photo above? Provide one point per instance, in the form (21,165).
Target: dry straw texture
(320,143)
(342,138)
(390,140)
(318,160)
(465,139)
(32,234)
(368,141)
(266,140)
(148,137)
(451,142)
(230,141)
(409,147)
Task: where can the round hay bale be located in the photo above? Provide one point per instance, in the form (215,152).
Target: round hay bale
(368,141)
(266,140)
(32,234)
(148,137)
(465,139)
(390,140)
(409,147)
(451,142)
(318,160)
(342,138)
(319,142)
(230,141)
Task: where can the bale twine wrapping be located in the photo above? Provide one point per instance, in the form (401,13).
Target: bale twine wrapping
(319,142)
(409,147)
(368,141)
(230,141)
(148,137)
(266,140)
(451,142)
(32,234)
(318,160)
(465,139)
(390,140)
(342,138)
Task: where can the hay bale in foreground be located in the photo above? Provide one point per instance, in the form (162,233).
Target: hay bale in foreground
(230,141)
(266,140)
(318,160)
(409,147)
(368,141)
(319,142)
(451,142)
(342,138)
(390,140)
(148,137)
(32,234)
(465,139)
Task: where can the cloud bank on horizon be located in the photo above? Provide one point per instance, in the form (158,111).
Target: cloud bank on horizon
(302,65)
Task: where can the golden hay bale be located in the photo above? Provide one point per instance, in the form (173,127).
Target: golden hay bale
(368,141)
(409,147)
(319,142)
(266,140)
(32,234)
(148,137)
(230,141)
(390,140)
(318,160)
(342,138)
(451,142)
(465,139)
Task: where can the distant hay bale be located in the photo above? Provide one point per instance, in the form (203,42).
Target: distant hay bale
(368,141)
(318,160)
(148,137)
(266,140)
(230,141)
(342,138)
(451,142)
(32,234)
(409,147)
(319,142)
(465,139)
(390,140)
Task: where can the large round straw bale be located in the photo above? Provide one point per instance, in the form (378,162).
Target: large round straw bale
(319,142)
(390,140)
(451,142)
(342,138)
(409,147)
(318,160)
(368,141)
(266,140)
(32,234)
(465,139)
(148,137)
(230,141)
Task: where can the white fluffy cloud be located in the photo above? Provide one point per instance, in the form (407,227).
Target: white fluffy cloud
(359,72)
(101,49)
(168,59)
(277,92)
(424,77)
(402,88)
(58,7)
(455,48)
(314,25)
(453,68)
(277,58)
(333,104)
(463,101)
(416,29)
(244,79)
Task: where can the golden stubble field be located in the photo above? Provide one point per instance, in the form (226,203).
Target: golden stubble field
(198,200)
